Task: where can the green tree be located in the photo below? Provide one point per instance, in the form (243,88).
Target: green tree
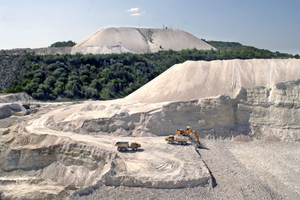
(59,88)
(31,87)
(50,80)
(40,92)
(73,89)
(63,44)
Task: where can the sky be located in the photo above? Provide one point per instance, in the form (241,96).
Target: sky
(265,24)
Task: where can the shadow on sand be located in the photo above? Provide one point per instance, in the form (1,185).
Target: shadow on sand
(131,151)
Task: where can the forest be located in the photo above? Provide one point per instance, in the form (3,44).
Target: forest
(109,76)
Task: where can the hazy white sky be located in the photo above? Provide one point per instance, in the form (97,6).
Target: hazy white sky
(267,24)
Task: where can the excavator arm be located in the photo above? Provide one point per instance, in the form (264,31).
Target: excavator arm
(197,138)
(187,132)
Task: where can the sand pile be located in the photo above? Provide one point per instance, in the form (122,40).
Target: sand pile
(243,138)
(193,80)
(15,97)
(272,138)
(138,40)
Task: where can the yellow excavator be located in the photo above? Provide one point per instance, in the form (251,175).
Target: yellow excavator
(188,130)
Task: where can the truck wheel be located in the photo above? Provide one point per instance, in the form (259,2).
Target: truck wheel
(180,143)
(119,149)
(183,143)
(170,142)
(134,149)
(123,149)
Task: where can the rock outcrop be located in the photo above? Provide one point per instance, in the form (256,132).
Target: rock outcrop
(38,160)
(10,69)
(258,112)
(21,97)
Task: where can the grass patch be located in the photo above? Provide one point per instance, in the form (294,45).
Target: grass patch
(150,36)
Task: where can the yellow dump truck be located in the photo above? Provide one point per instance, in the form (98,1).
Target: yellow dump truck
(181,140)
(124,146)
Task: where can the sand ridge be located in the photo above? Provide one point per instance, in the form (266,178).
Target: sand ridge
(201,79)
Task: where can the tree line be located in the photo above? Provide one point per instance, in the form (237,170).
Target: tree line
(108,76)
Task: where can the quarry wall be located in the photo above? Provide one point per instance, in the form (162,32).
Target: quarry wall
(52,158)
(259,112)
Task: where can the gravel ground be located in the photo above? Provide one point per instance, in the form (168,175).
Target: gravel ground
(256,170)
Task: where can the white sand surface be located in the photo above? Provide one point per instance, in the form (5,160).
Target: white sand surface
(200,79)
(139,40)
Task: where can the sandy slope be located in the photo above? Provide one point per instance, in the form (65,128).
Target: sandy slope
(141,40)
(193,80)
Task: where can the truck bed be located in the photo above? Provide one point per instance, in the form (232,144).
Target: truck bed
(122,144)
(181,138)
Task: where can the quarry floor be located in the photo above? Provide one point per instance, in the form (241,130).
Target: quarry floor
(256,170)
(238,170)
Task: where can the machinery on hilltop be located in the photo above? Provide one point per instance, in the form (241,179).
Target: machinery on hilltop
(182,136)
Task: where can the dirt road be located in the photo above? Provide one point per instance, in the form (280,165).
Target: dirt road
(257,170)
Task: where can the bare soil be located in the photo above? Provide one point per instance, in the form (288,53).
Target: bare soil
(255,170)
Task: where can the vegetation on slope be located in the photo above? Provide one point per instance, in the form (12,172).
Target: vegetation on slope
(108,76)
(63,44)
(239,47)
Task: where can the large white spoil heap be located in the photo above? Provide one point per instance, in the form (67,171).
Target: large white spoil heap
(201,79)
(139,40)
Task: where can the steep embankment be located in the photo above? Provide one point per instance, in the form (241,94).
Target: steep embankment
(139,40)
(46,167)
(193,80)
(262,113)
(10,69)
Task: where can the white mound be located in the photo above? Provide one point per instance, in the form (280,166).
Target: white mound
(14,97)
(139,40)
(199,79)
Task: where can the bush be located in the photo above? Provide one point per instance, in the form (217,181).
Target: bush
(6,132)
(63,44)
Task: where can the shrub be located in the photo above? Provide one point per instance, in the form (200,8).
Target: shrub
(6,132)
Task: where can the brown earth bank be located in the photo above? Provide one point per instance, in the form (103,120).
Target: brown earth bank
(66,150)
